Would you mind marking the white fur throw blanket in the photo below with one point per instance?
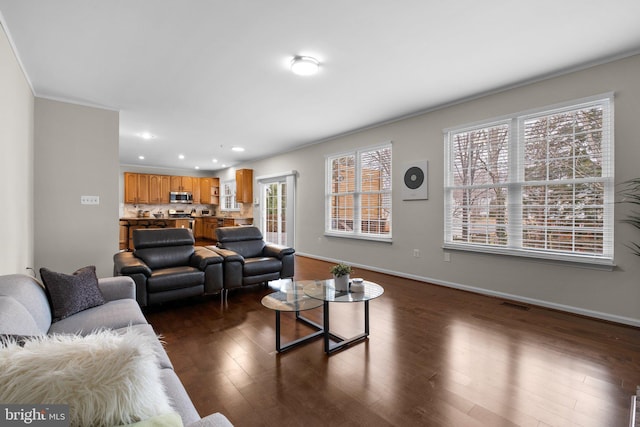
(106, 378)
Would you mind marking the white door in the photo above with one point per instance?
(277, 209)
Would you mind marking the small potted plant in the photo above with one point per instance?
(341, 274)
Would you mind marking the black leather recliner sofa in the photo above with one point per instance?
(249, 260)
(166, 266)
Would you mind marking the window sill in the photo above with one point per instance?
(359, 237)
(583, 261)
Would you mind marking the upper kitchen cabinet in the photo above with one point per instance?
(209, 191)
(244, 185)
(196, 191)
(159, 188)
(136, 188)
(182, 183)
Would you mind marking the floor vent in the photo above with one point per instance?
(515, 305)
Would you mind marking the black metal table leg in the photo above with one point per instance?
(325, 315)
(342, 342)
(283, 347)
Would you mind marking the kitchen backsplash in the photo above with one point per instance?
(129, 210)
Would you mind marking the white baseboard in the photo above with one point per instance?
(542, 303)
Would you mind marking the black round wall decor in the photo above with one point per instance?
(413, 177)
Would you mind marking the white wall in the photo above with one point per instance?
(76, 154)
(16, 164)
(611, 295)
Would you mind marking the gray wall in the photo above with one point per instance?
(16, 164)
(76, 154)
(611, 295)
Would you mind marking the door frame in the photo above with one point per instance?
(290, 178)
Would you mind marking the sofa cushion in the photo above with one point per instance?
(26, 291)
(179, 397)
(167, 279)
(112, 315)
(258, 266)
(165, 257)
(72, 293)
(106, 378)
(247, 241)
(247, 248)
(162, 237)
(15, 319)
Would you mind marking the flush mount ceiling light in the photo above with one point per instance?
(146, 135)
(304, 65)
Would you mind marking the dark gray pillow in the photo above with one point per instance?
(70, 294)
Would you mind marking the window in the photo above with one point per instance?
(228, 196)
(535, 184)
(358, 195)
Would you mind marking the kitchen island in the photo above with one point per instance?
(128, 224)
(202, 226)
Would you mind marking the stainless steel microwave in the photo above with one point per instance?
(180, 197)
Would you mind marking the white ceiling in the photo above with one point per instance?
(206, 75)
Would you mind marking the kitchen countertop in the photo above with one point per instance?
(137, 218)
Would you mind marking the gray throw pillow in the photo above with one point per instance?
(70, 294)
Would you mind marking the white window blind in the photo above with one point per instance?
(535, 184)
(358, 195)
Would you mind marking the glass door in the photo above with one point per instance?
(275, 214)
(277, 209)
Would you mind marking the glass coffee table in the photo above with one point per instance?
(325, 292)
(291, 298)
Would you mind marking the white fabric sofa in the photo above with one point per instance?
(25, 311)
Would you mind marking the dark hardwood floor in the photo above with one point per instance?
(435, 357)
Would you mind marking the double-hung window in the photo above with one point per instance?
(358, 194)
(228, 196)
(536, 184)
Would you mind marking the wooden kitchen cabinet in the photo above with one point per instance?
(196, 194)
(215, 191)
(209, 226)
(198, 228)
(182, 183)
(209, 188)
(159, 188)
(244, 185)
(136, 188)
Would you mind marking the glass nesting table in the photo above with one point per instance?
(301, 295)
(291, 298)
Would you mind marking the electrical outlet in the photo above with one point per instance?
(89, 200)
(416, 253)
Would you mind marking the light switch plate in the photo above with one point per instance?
(89, 200)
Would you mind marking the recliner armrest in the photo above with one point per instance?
(125, 264)
(228, 255)
(277, 251)
(202, 257)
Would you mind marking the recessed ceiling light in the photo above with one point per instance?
(214, 160)
(197, 167)
(239, 149)
(181, 156)
(141, 157)
(224, 166)
(304, 65)
(146, 135)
